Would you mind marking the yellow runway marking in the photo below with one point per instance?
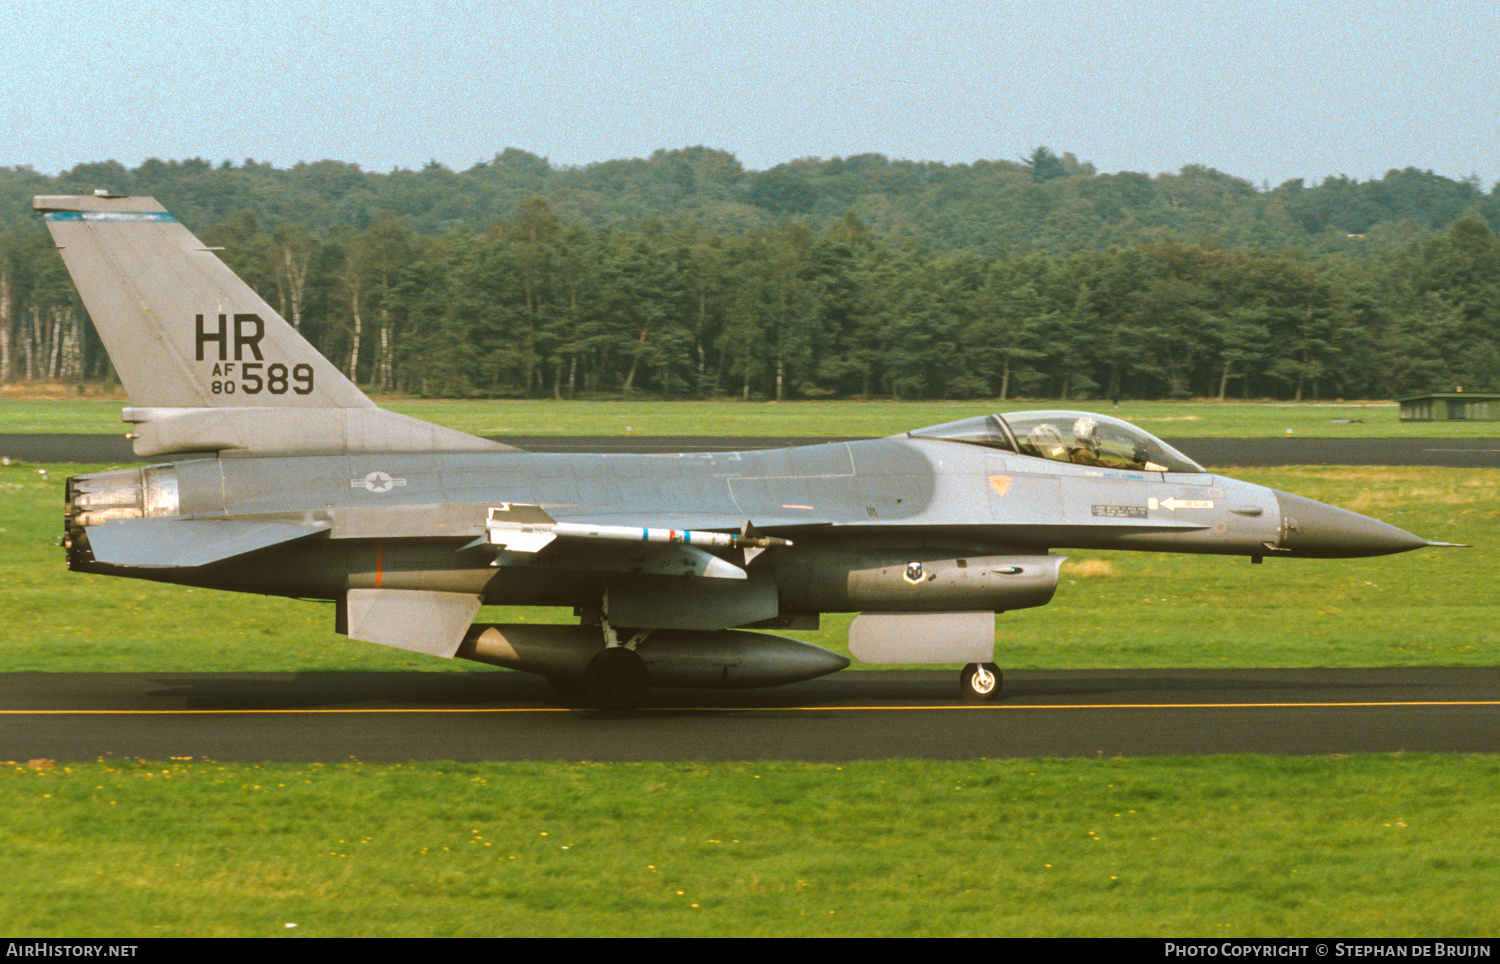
(765, 709)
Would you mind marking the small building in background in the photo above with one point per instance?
(1450, 406)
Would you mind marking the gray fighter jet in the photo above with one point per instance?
(278, 476)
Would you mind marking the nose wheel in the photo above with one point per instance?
(980, 682)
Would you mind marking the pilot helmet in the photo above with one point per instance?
(1048, 441)
(1086, 430)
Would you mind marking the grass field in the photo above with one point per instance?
(1402, 845)
(802, 419)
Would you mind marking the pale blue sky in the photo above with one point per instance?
(1266, 91)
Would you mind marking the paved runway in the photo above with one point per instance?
(1211, 452)
(850, 716)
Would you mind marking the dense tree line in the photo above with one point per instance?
(685, 275)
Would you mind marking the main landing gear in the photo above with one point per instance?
(616, 679)
(980, 682)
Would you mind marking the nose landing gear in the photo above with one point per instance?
(980, 682)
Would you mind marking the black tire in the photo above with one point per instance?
(616, 679)
(980, 683)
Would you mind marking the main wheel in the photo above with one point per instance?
(616, 679)
(980, 682)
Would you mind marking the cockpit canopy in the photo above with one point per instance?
(1078, 437)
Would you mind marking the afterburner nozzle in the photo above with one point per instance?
(1317, 530)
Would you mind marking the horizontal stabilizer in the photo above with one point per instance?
(185, 543)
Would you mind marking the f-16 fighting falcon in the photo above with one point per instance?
(275, 474)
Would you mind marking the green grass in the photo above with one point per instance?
(1120, 609)
(800, 419)
(1401, 845)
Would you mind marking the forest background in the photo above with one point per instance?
(686, 275)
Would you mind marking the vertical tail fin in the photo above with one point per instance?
(181, 328)
(207, 363)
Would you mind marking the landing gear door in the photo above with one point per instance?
(897, 638)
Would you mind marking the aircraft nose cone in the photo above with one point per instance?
(1311, 528)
